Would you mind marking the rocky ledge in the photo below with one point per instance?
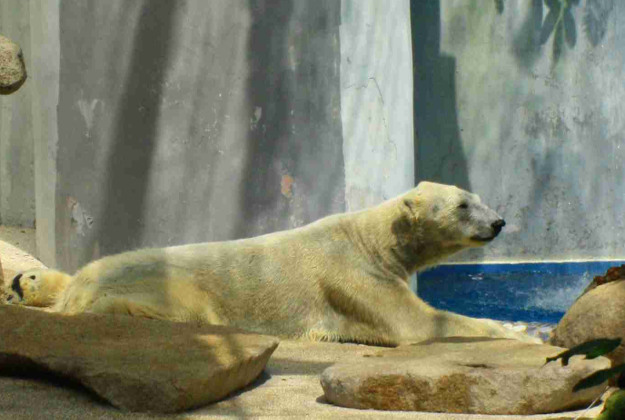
(463, 375)
(136, 364)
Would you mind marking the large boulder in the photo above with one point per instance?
(462, 375)
(613, 274)
(12, 67)
(136, 364)
(598, 313)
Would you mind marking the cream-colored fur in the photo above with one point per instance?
(341, 278)
(37, 287)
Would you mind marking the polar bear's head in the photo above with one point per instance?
(36, 287)
(449, 218)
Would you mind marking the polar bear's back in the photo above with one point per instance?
(270, 273)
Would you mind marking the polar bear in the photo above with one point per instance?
(342, 278)
(37, 287)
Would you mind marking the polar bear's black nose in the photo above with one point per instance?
(498, 225)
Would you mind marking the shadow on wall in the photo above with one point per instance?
(560, 32)
(293, 170)
(439, 155)
(130, 158)
(269, 100)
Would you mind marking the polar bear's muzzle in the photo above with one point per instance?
(496, 227)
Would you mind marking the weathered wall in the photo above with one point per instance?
(544, 144)
(311, 120)
(190, 121)
(17, 172)
(376, 93)
(28, 123)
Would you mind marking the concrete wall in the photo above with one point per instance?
(17, 169)
(28, 123)
(376, 91)
(159, 123)
(156, 122)
(544, 144)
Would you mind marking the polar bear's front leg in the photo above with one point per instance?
(451, 324)
(390, 313)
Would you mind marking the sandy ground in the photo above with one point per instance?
(289, 387)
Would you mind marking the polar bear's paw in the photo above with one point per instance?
(506, 330)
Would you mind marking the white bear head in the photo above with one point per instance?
(442, 219)
(453, 215)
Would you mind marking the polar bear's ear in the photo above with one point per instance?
(411, 205)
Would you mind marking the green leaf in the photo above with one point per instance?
(614, 407)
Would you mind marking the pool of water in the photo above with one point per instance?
(532, 292)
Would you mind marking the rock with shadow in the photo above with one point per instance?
(12, 68)
(598, 313)
(462, 375)
(133, 363)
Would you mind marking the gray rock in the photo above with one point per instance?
(599, 313)
(462, 375)
(135, 364)
(12, 68)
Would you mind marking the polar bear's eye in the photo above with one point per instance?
(463, 206)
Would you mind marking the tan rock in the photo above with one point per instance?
(612, 274)
(599, 313)
(136, 364)
(12, 68)
(290, 389)
(462, 375)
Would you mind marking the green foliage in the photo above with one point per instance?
(614, 408)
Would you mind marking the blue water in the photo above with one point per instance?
(540, 292)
